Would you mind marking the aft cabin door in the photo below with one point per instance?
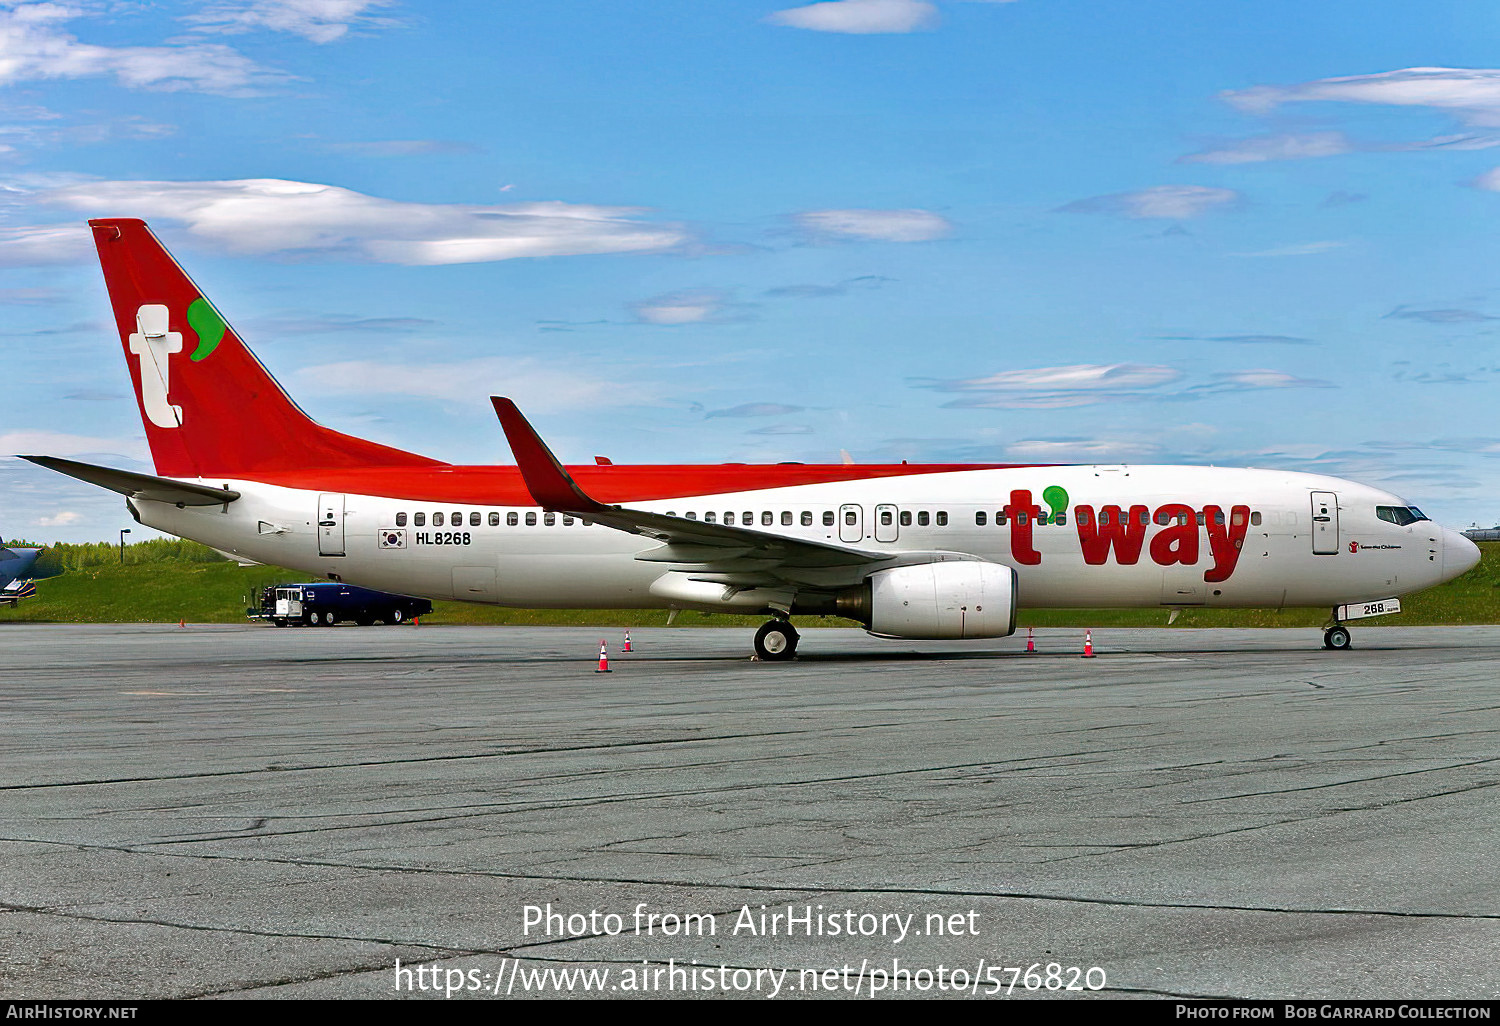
(885, 524)
(1325, 523)
(331, 524)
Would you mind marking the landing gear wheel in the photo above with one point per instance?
(396, 617)
(1336, 638)
(776, 640)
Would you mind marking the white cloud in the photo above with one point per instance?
(876, 225)
(1489, 180)
(1300, 249)
(1172, 202)
(860, 17)
(62, 519)
(1048, 388)
(536, 386)
(267, 215)
(321, 21)
(1083, 376)
(688, 307)
(44, 244)
(1274, 147)
(1472, 94)
(55, 443)
(1256, 379)
(33, 46)
(1067, 450)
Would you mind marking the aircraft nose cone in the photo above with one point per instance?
(1459, 554)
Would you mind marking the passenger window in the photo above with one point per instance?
(1081, 516)
(886, 519)
(828, 518)
(1201, 518)
(458, 519)
(922, 519)
(806, 518)
(549, 519)
(710, 518)
(567, 520)
(767, 519)
(1104, 518)
(942, 519)
(1042, 518)
(437, 520)
(1219, 517)
(531, 520)
(1020, 517)
(1255, 519)
(419, 519)
(906, 518)
(494, 519)
(849, 518)
(400, 519)
(1162, 518)
(729, 519)
(979, 519)
(1145, 518)
(747, 518)
(1000, 518)
(786, 518)
(1060, 518)
(691, 515)
(512, 519)
(1237, 519)
(473, 519)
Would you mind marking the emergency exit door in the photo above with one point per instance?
(1325, 523)
(331, 524)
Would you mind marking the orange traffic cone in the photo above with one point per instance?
(627, 642)
(1088, 644)
(603, 658)
(182, 621)
(416, 621)
(1030, 643)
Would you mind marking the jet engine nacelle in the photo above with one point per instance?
(936, 601)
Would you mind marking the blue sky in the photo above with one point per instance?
(1040, 230)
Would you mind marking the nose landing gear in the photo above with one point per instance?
(776, 640)
(1336, 637)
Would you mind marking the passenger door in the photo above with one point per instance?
(331, 524)
(886, 529)
(1325, 523)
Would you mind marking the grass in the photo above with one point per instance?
(175, 586)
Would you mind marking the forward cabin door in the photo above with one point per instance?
(1325, 523)
(331, 524)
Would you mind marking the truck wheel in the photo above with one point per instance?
(396, 617)
(279, 621)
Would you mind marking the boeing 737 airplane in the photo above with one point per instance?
(924, 552)
(15, 565)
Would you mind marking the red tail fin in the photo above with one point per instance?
(209, 407)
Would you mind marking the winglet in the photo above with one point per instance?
(549, 484)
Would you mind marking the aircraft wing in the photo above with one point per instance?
(740, 554)
(139, 486)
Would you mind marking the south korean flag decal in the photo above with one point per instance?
(392, 538)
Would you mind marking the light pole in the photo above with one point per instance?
(123, 532)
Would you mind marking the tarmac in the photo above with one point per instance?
(241, 811)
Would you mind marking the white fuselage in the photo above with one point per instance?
(493, 555)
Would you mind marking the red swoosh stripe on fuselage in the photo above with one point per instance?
(502, 485)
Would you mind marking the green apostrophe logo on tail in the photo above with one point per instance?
(209, 326)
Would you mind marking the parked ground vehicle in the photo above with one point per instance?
(324, 604)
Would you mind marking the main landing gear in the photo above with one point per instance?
(776, 640)
(1336, 637)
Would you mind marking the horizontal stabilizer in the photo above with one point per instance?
(139, 486)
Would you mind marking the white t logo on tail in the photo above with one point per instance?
(153, 343)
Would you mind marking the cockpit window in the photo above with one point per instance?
(1400, 515)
